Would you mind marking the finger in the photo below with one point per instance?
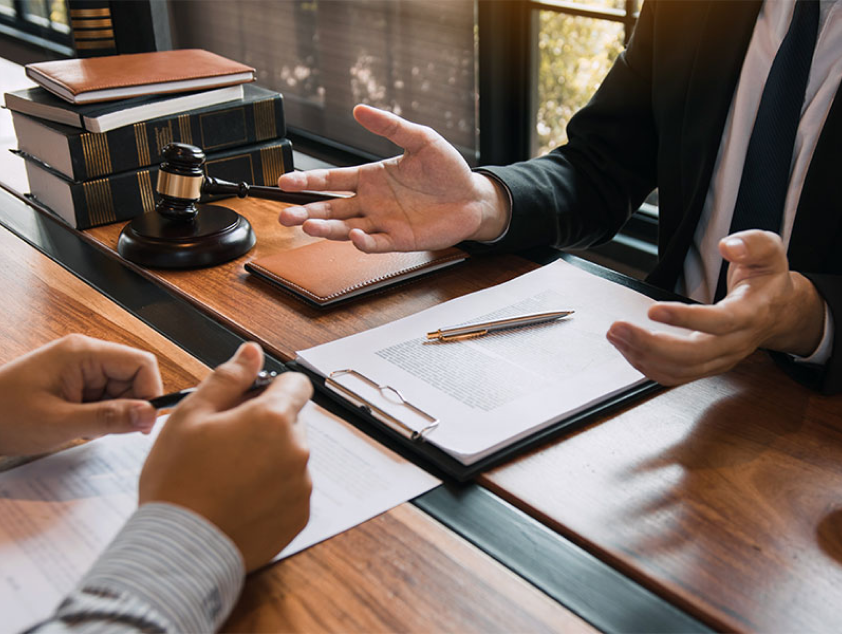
(90, 420)
(339, 179)
(371, 243)
(225, 386)
(108, 361)
(410, 136)
(754, 248)
(289, 391)
(112, 389)
(671, 359)
(753, 254)
(293, 216)
(330, 229)
(668, 372)
(676, 351)
(278, 406)
(337, 209)
(717, 319)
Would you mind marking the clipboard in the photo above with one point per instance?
(410, 440)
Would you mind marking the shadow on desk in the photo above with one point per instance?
(829, 533)
(724, 495)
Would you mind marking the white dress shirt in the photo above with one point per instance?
(701, 267)
(168, 570)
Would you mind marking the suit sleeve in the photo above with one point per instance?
(582, 193)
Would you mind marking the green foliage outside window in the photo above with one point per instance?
(575, 54)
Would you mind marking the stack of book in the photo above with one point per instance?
(93, 148)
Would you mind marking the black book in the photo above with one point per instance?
(102, 117)
(128, 194)
(81, 155)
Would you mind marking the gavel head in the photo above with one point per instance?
(180, 181)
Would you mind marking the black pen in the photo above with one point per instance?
(172, 399)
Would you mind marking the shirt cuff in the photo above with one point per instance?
(493, 177)
(821, 354)
(168, 567)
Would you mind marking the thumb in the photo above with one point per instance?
(753, 253)
(118, 416)
(225, 386)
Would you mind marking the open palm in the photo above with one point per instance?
(428, 198)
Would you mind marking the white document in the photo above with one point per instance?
(491, 391)
(59, 513)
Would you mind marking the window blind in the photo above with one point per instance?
(416, 58)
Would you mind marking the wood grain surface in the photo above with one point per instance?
(401, 571)
(42, 302)
(724, 495)
(283, 323)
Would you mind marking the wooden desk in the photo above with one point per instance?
(285, 324)
(400, 571)
(722, 496)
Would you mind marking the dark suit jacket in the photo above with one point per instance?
(657, 121)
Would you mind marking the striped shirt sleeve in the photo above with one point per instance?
(168, 570)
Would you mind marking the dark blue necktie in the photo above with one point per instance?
(765, 179)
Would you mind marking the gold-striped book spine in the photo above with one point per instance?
(99, 202)
(147, 192)
(264, 120)
(96, 154)
(272, 159)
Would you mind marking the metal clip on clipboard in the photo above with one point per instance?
(382, 415)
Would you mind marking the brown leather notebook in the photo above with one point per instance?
(326, 272)
(111, 77)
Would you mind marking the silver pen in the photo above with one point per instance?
(478, 330)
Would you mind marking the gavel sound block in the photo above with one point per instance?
(182, 233)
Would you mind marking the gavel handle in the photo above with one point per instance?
(242, 190)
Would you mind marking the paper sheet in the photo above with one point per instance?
(59, 513)
(491, 391)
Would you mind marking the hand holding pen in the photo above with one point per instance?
(240, 464)
(470, 331)
(168, 401)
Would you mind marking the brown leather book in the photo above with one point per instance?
(326, 272)
(112, 77)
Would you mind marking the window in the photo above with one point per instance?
(576, 46)
(414, 57)
(499, 79)
(40, 22)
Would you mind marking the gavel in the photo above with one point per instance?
(183, 233)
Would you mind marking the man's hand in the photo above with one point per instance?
(240, 464)
(426, 199)
(767, 306)
(75, 387)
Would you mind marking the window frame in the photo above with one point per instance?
(508, 58)
(31, 33)
(508, 46)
